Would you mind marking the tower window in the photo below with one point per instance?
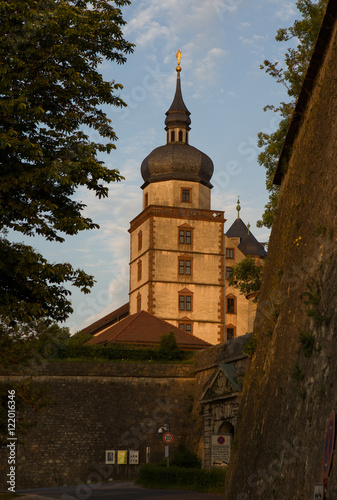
(172, 135)
(185, 237)
(186, 326)
(231, 305)
(230, 253)
(185, 266)
(186, 195)
(229, 272)
(185, 302)
(146, 200)
(140, 240)
(139, 270)
(139, 302)
(230, 331)
(180, 136)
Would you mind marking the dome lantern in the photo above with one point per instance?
(177, 159)
(178, 121)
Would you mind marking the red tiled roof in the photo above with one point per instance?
(107, 320)
(146, 330)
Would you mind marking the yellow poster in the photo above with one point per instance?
(122, 457)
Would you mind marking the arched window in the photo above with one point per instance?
(180, 136)
(139, 302)
(172, 135)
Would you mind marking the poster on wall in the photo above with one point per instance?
(134, 457)
(319, 492)
(221, 449)
(122, 457)
(110, 456)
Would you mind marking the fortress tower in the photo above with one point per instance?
(177, 241)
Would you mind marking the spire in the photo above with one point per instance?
(238, 207)
(178, 117)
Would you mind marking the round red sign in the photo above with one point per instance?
(168, 438)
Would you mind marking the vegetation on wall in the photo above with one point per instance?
(57, 344)
(116, 352)
(304, 31)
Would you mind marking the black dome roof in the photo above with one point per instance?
(177, 161)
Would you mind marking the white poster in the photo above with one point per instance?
(134, 457)
(110, 456)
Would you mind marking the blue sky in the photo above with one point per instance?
(223, 43)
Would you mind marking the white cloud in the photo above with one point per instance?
(153, 31)
(244, 25)
(286, 11)
(208, 68)
(255, 42)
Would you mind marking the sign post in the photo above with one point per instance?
(168, 439)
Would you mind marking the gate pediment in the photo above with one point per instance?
(222, 384)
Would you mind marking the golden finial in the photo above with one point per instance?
(248, 226)
(178, 56)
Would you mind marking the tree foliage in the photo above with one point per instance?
(25, 346)
(246, 276)
(291, 76)
(168, 347)
(184, 457)
(51, 95)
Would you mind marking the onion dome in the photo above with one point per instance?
(177, 159)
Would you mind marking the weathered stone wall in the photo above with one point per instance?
(97, 407)
(291, 388)
(211, 417)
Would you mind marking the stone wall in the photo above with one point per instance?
(96, 407)
(99, 406)
(290, 389)
(212, 417)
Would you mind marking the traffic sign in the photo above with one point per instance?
(168, 438)
(220, 449)
(328, 446)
